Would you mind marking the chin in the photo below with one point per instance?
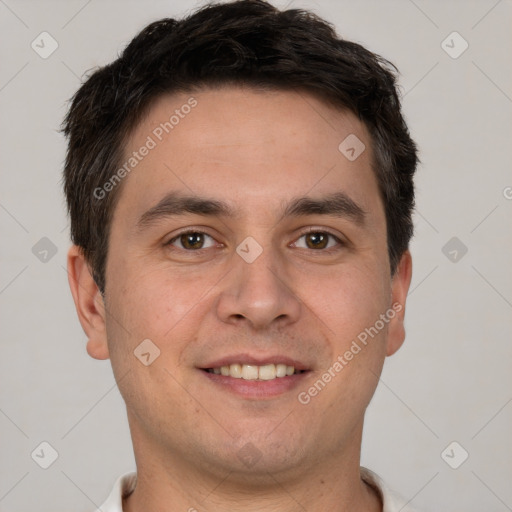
(252, 458)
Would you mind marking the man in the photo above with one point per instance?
(240, 191)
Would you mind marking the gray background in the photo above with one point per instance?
(451, 381)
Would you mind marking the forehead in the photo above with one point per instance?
(235, 115)
(259, 147)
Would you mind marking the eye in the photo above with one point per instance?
(317, 240)
(192, 241)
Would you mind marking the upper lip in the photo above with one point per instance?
(256, 360)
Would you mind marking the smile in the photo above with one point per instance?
(255, 372)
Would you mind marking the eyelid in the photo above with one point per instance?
(313, 229)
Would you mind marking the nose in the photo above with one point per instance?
(258, 294)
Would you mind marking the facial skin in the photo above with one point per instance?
(255, 151)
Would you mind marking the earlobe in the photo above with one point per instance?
(89, 303)
(399, 289)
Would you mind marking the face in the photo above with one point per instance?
(244, 242)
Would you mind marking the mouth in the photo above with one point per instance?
(249, 378)
(254, 372)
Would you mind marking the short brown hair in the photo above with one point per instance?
(245, 42)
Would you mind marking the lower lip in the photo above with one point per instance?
(257, 389)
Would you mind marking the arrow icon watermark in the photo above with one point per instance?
(146, 352)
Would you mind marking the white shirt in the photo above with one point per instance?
(392, 501)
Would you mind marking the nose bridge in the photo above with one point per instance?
(257, 289)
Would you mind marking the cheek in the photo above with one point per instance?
(350, 304)
(347, 302)
(152, 305)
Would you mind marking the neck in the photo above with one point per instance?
(170, 481)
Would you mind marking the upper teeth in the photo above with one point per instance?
(254, 372)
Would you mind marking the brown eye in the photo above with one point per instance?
(317, 240)
(192, 241)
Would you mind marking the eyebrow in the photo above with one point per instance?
(173, 204)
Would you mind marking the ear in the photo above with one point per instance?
(89, 303)
(399, 289)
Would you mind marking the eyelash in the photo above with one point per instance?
(340, 242)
